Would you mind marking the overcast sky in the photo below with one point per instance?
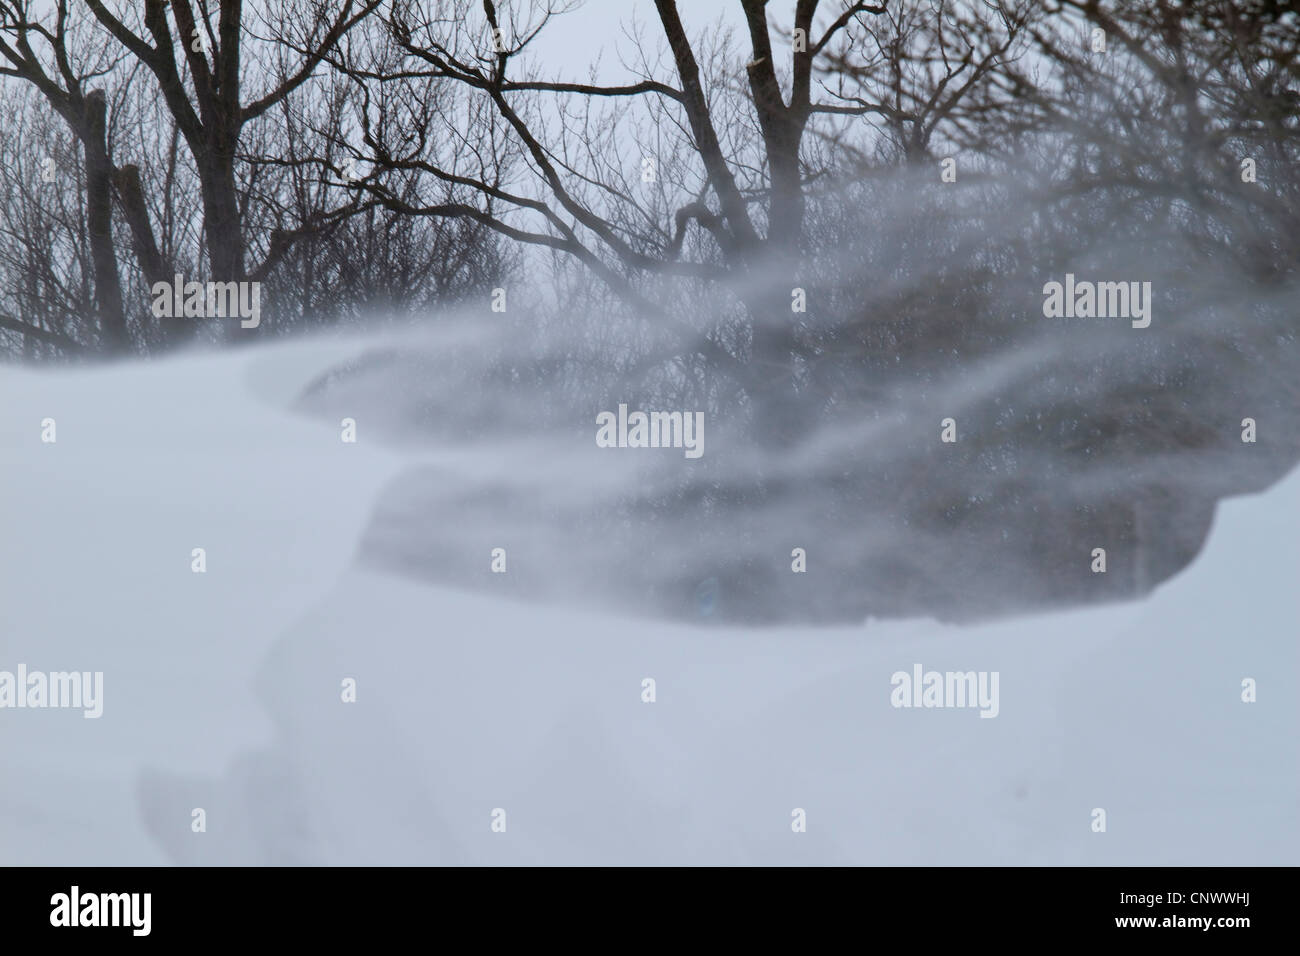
(571, 42)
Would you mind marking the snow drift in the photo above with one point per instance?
(222, 689)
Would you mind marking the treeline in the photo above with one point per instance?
(200, 140)
(389, 157)
(827, 225)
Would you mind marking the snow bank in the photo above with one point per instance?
(222, 690)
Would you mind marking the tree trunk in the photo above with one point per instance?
(221, 216)
(99, 226)
(782, 415)
(130, 199)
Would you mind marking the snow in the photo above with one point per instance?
(222, 690)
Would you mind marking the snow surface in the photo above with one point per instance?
(222, 690)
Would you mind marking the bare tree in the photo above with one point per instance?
(47, 293)
(1192, 106)
(735, 155)
(35, 49)
(203, 93)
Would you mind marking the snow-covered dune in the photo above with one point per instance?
(150, 462)
(222, 690)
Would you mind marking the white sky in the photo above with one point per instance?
(570, 43)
